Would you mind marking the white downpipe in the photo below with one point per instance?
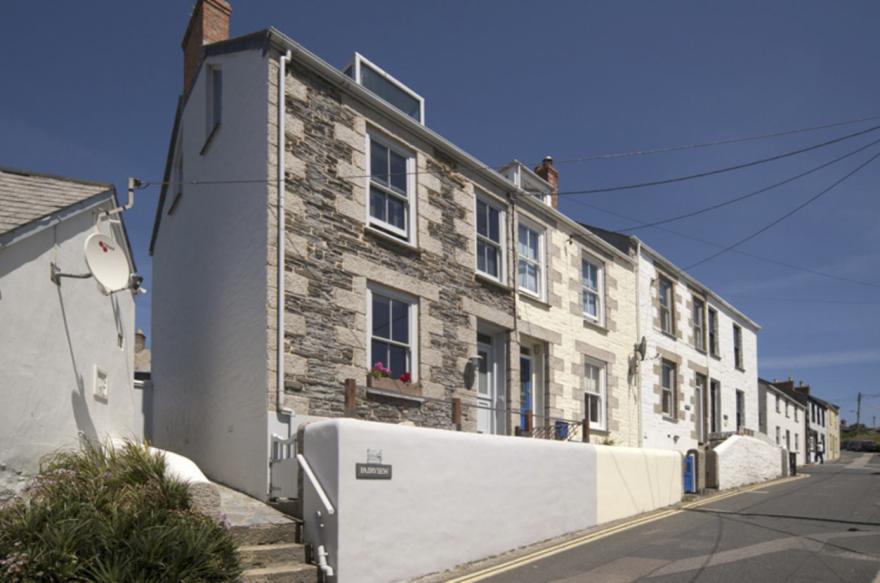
(638, 367)
(322, 561)
(282, 227)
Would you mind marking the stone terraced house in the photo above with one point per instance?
(395, 246)
(699, 375)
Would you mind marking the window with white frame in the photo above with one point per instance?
(391, 204)
(797, 442)
(490, 238)
(777, 435)
(713, 332)
(795, 414)
(592, 284)
(786, 410)
(530, 265)
(665, 290)
(595, 393)
(737, 347)
(667, 387)
(699, 324)
(392, 331)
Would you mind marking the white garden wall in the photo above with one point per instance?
(458, 497)
(747, 460)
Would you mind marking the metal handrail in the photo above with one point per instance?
(313, 480)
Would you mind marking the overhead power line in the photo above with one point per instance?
(754, 192)
(805, 301)
(717, 170)
(665, 149)
(786, 215)
(717, 245)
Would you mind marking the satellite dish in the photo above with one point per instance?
(107, 262)
(642, 348)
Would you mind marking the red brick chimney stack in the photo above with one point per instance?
(549, 173)
(208, 24)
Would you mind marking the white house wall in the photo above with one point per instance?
(794, 426)
(51, 339)
(210, 359)
(657, 430)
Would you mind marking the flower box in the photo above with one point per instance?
(394, 385)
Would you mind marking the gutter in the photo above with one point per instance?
(282, 228)
(638, 367)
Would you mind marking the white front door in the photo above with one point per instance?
(485, 388)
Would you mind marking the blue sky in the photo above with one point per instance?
(90, 91)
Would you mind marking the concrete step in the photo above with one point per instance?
(264, 534)
(257, 556)
(282, 573)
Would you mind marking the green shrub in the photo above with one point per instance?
(111, 515)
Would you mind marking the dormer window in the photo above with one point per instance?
(394, 92)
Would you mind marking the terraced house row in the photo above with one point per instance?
(342, 239)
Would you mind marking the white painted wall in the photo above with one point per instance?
(458, 497)
(793, 422)
(209, 291)
(814, 411)
(658, 432)
(51, 338)
(746, 460)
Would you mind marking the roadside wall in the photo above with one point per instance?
(746, 460)
(457, 497)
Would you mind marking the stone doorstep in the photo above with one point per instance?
(260, 556)
(282, 573)
(264, 534)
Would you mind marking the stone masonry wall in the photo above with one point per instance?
(331, 257)
(571, 337)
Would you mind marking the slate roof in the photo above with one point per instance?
(619, 240)
(27, 196)
(797, 396)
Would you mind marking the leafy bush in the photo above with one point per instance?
(111, 515)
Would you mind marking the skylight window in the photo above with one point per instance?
(387, 87)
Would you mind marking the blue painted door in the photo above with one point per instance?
(690, 485)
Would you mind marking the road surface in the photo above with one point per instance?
(825, 527)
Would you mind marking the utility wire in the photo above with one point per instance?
(791, 266)
(716, 143)
(786, 215)
(717, 170)
(147, 183)
(753, 193)
(803, 301)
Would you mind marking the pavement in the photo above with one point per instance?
(823, 527)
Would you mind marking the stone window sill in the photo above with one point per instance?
(669, 335)
(394, 395)
(489, 280)
(715, 356)
(378, 234)
(670, 419)
(593, 325)
(533, 299)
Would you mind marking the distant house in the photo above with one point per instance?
(783, 417)
(821, 423)
(66, 347)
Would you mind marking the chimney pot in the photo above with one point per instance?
(209, 23)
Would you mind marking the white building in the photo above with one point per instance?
(817, 427)
(699, 375)
(783, 418)
(66, 348)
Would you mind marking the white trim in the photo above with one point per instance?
(602, 425)
(541, 231)
(409, 234)
(587, 257)
(359, 60)
(413, 331)
(501, 245)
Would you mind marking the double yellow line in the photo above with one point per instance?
(594, 536)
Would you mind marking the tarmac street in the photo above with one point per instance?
(824, 527)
